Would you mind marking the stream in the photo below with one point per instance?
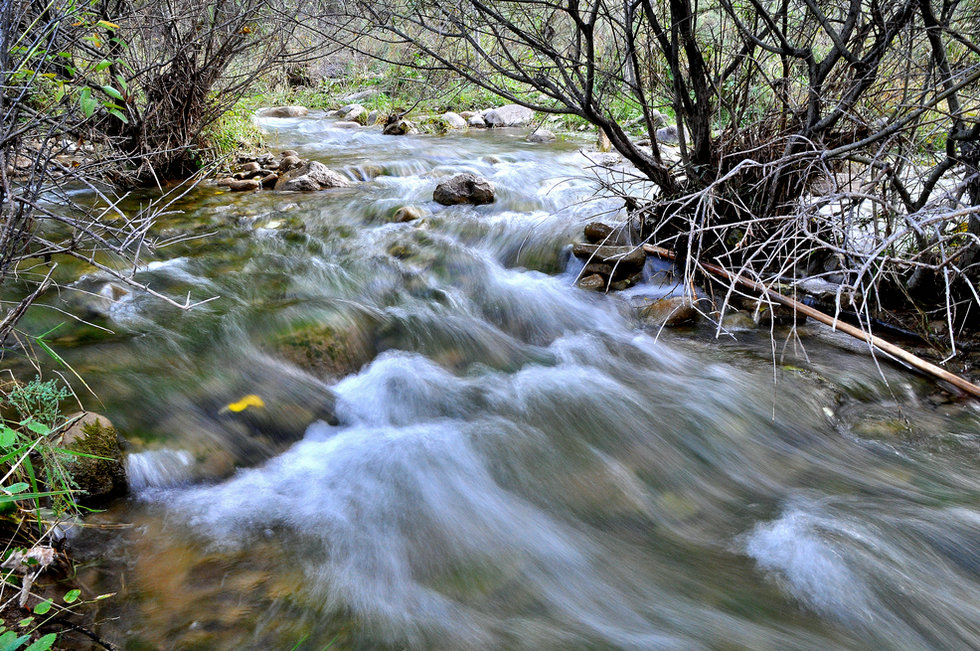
(453, 447)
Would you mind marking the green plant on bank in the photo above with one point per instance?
(34, 483)
(33, 465)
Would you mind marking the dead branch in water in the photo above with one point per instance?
(888, 348)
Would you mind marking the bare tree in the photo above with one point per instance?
(816, 139)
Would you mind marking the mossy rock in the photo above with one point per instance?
(327, 349)
(93, 434)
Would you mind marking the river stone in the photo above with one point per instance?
(312, 176)
(477, 122)
(354, 113)
(284, 112)
(243, 185)
(510, 115)
(466, 115)
(599, 233)
(269, 180)
(289, 162)
(347, 124)
(289, 152)
(670, 312)
(595, 283)
(330, 350)
(737, 322)
(600, 268)
(668, 135)
(454, 120)
(625, 260)
(252, 166)
(373, 117)
(541, 135)
(407, 214)
(399, 128)
(464, 188)
(93, 434)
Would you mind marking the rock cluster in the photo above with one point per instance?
(284, 112)
(288, 172)
(611, 263)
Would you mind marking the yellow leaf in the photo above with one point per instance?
(107, 24)
(250, 400)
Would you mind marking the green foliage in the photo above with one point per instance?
(37, 401)
(28, 453)
(10, 641)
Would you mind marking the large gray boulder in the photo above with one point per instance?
(284, 112)
(510, 115)
(464, 188)
(310, 177)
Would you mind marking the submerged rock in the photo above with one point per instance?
(284, 112)
(407, 214)
(328, 350)
(93, 434)
(670, 312)
(542, 135)
(464, 188)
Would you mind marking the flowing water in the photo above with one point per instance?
(458, 449)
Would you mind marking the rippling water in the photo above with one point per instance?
(461, 450)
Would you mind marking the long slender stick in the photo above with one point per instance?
(882, 345)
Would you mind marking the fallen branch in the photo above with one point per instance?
(876, 342)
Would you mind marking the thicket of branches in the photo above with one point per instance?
(104, 94)
(832, 140)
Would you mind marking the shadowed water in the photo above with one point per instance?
(461, 450)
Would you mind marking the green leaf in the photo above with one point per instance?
(27, 621)
(44, 643)
(37, 428)
(43, 607)
(10, 642)
(19, 487)
(7, 437)
(102, 65)
(122, 83)
(72, 595)
(112, 92)
(30, 496)
(10, 455)
(119, 115)
(88, 105)
(76, 453)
